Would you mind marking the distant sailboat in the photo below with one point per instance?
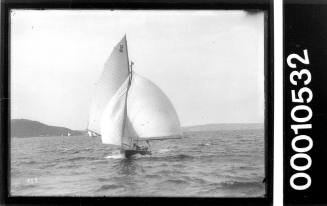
(68, 134)
(128, 108)
(91, 134)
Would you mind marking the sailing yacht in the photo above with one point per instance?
(128, 109)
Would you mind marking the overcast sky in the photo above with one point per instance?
(209, 63)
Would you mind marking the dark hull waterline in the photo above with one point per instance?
(131, 152)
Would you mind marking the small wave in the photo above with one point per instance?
(69, 166)
(27, 186)
(28, 162)
(194, 179)
(237, 185)
(75, 152)
(115, 156)
(82, 158)
(102, 179)
(180, 157)
(151, 176)
(172, 171)
(66, 149)
(77, 158)
(205, 144)
(108, 187)
(100, 161)
(170, 157)
(70, 151)
(174, 181)
(164, 150)
(45, 166)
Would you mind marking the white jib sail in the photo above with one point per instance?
(114, 74)
(113, 117)
(149, 113)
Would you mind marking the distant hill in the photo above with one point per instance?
(29, 128)
(218, 127)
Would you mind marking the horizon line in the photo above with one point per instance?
(180, 126)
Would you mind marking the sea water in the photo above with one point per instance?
(212, 163)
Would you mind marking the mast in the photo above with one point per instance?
(129, 85)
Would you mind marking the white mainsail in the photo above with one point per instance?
(114, 74)
(136, 109)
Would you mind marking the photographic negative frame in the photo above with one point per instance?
(265, 6)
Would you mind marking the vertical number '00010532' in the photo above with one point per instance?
(301, 115)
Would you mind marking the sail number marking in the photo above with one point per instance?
(301, 115)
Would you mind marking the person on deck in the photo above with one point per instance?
(136, 146)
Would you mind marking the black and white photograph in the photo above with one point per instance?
(138, 103)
